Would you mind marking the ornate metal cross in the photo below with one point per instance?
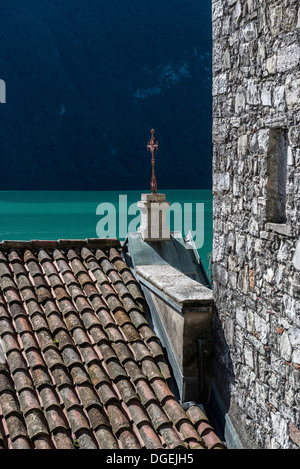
(153, 146)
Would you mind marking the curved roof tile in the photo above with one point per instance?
(82, 366)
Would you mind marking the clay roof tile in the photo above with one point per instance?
(83, 366)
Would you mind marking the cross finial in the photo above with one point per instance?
(153, 146)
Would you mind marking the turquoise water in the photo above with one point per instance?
(27, 215)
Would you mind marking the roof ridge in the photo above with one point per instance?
(101, 243)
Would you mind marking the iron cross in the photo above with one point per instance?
(153, 146)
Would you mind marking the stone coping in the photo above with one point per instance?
(176, 285)
(153, 197)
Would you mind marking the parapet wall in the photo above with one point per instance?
(181, 312)
(256, 185)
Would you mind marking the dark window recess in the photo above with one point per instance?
(277, 174)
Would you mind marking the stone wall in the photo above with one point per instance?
(256, 186)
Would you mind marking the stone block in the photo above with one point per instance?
(250, 32)
(220, 84)
(296, 257)
(239, 101)
(253, 92)
(271, 64)
(285, 346)
(292, 90)
(279, 98)
(275, 13)
(294, 136)
(217, 9)
(294, 432)
(242, 145)
(266, 94)
(281, 228)
(221, 181)
(288, 57)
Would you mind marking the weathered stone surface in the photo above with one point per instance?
(292, 90)
(294, 136)
(220, 84)
(175, 285)
(288, 57)
(256, 254)
(153, 217)
(296, 257)
(294, 434)
(221, 181)
(185, 314)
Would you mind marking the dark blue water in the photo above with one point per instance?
(87, 80)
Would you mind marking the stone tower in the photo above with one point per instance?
(256, 186)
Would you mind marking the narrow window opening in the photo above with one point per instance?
(277, 175)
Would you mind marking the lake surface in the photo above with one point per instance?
(50, 215)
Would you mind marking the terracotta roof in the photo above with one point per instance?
(81, 366)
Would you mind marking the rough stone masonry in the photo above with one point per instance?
(256, 186)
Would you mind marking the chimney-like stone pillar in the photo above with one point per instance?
(153, 217)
